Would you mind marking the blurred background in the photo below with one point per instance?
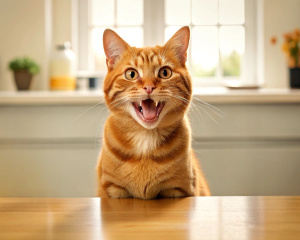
(240, 57)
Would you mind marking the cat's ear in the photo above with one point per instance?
(179, 43)
(114, 46)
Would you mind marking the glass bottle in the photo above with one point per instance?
(62, 68)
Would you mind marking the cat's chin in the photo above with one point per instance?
(147, 125)
(147, 112)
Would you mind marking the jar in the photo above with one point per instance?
(62, 68)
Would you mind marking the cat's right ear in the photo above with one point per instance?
(179, 43)
(114, 46)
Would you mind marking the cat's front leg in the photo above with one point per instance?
(173, 193)
(115, 191)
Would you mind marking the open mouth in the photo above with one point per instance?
(148, 110)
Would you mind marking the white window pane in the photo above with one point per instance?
(134, 36)
(103, 12)
(177, 12)
(170, 31)
(205, 51)
(231, 11)
(130, 12)
(204, 12)
(232, 47)
(99, 59)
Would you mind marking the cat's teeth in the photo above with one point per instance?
(140, 103)
(156, 103)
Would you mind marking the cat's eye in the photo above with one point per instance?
(165, 73)
(131, 74)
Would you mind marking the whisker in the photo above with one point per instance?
(115, 104)
(209, 105)
(174, 106)
(192, 106)
(99, 132)
(209, 115)
(98, 115)
(185, 100)
(212, 108)
(120, 103)
(117, 100)
(80, 115)
(215, 112)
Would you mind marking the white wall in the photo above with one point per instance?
(23, 32)
(280, 16)
(61, 22)
(32, 28)
(52, 150)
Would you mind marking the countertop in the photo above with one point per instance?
(217, 95)
(187, 218)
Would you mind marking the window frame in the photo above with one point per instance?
(154, 29)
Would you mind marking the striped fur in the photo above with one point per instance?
(140, 159)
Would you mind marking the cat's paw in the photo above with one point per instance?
(173, 193)
(115, 191)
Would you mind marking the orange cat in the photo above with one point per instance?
(146, 150)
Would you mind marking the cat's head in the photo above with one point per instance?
(152, 84)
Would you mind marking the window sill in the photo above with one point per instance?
(224, 95)
(217, 95)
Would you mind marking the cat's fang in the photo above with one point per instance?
(156, 103)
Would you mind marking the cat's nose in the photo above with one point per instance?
(149, 89)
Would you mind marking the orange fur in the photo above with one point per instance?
(141, 158)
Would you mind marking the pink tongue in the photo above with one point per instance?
(149, 109)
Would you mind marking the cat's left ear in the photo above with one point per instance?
(114, 46)
(179, 43)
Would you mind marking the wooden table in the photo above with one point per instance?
(187, 218)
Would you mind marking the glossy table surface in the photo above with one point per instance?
(186, 218)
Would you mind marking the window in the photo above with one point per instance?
(222, 44)
(117, 15)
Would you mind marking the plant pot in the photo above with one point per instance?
(295, 77)
(23, 79)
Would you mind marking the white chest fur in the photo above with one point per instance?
(146, 141)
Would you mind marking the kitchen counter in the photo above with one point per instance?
(212, 95)
(187, 218)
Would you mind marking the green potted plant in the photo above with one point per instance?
(23, 69)
(291, 48)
